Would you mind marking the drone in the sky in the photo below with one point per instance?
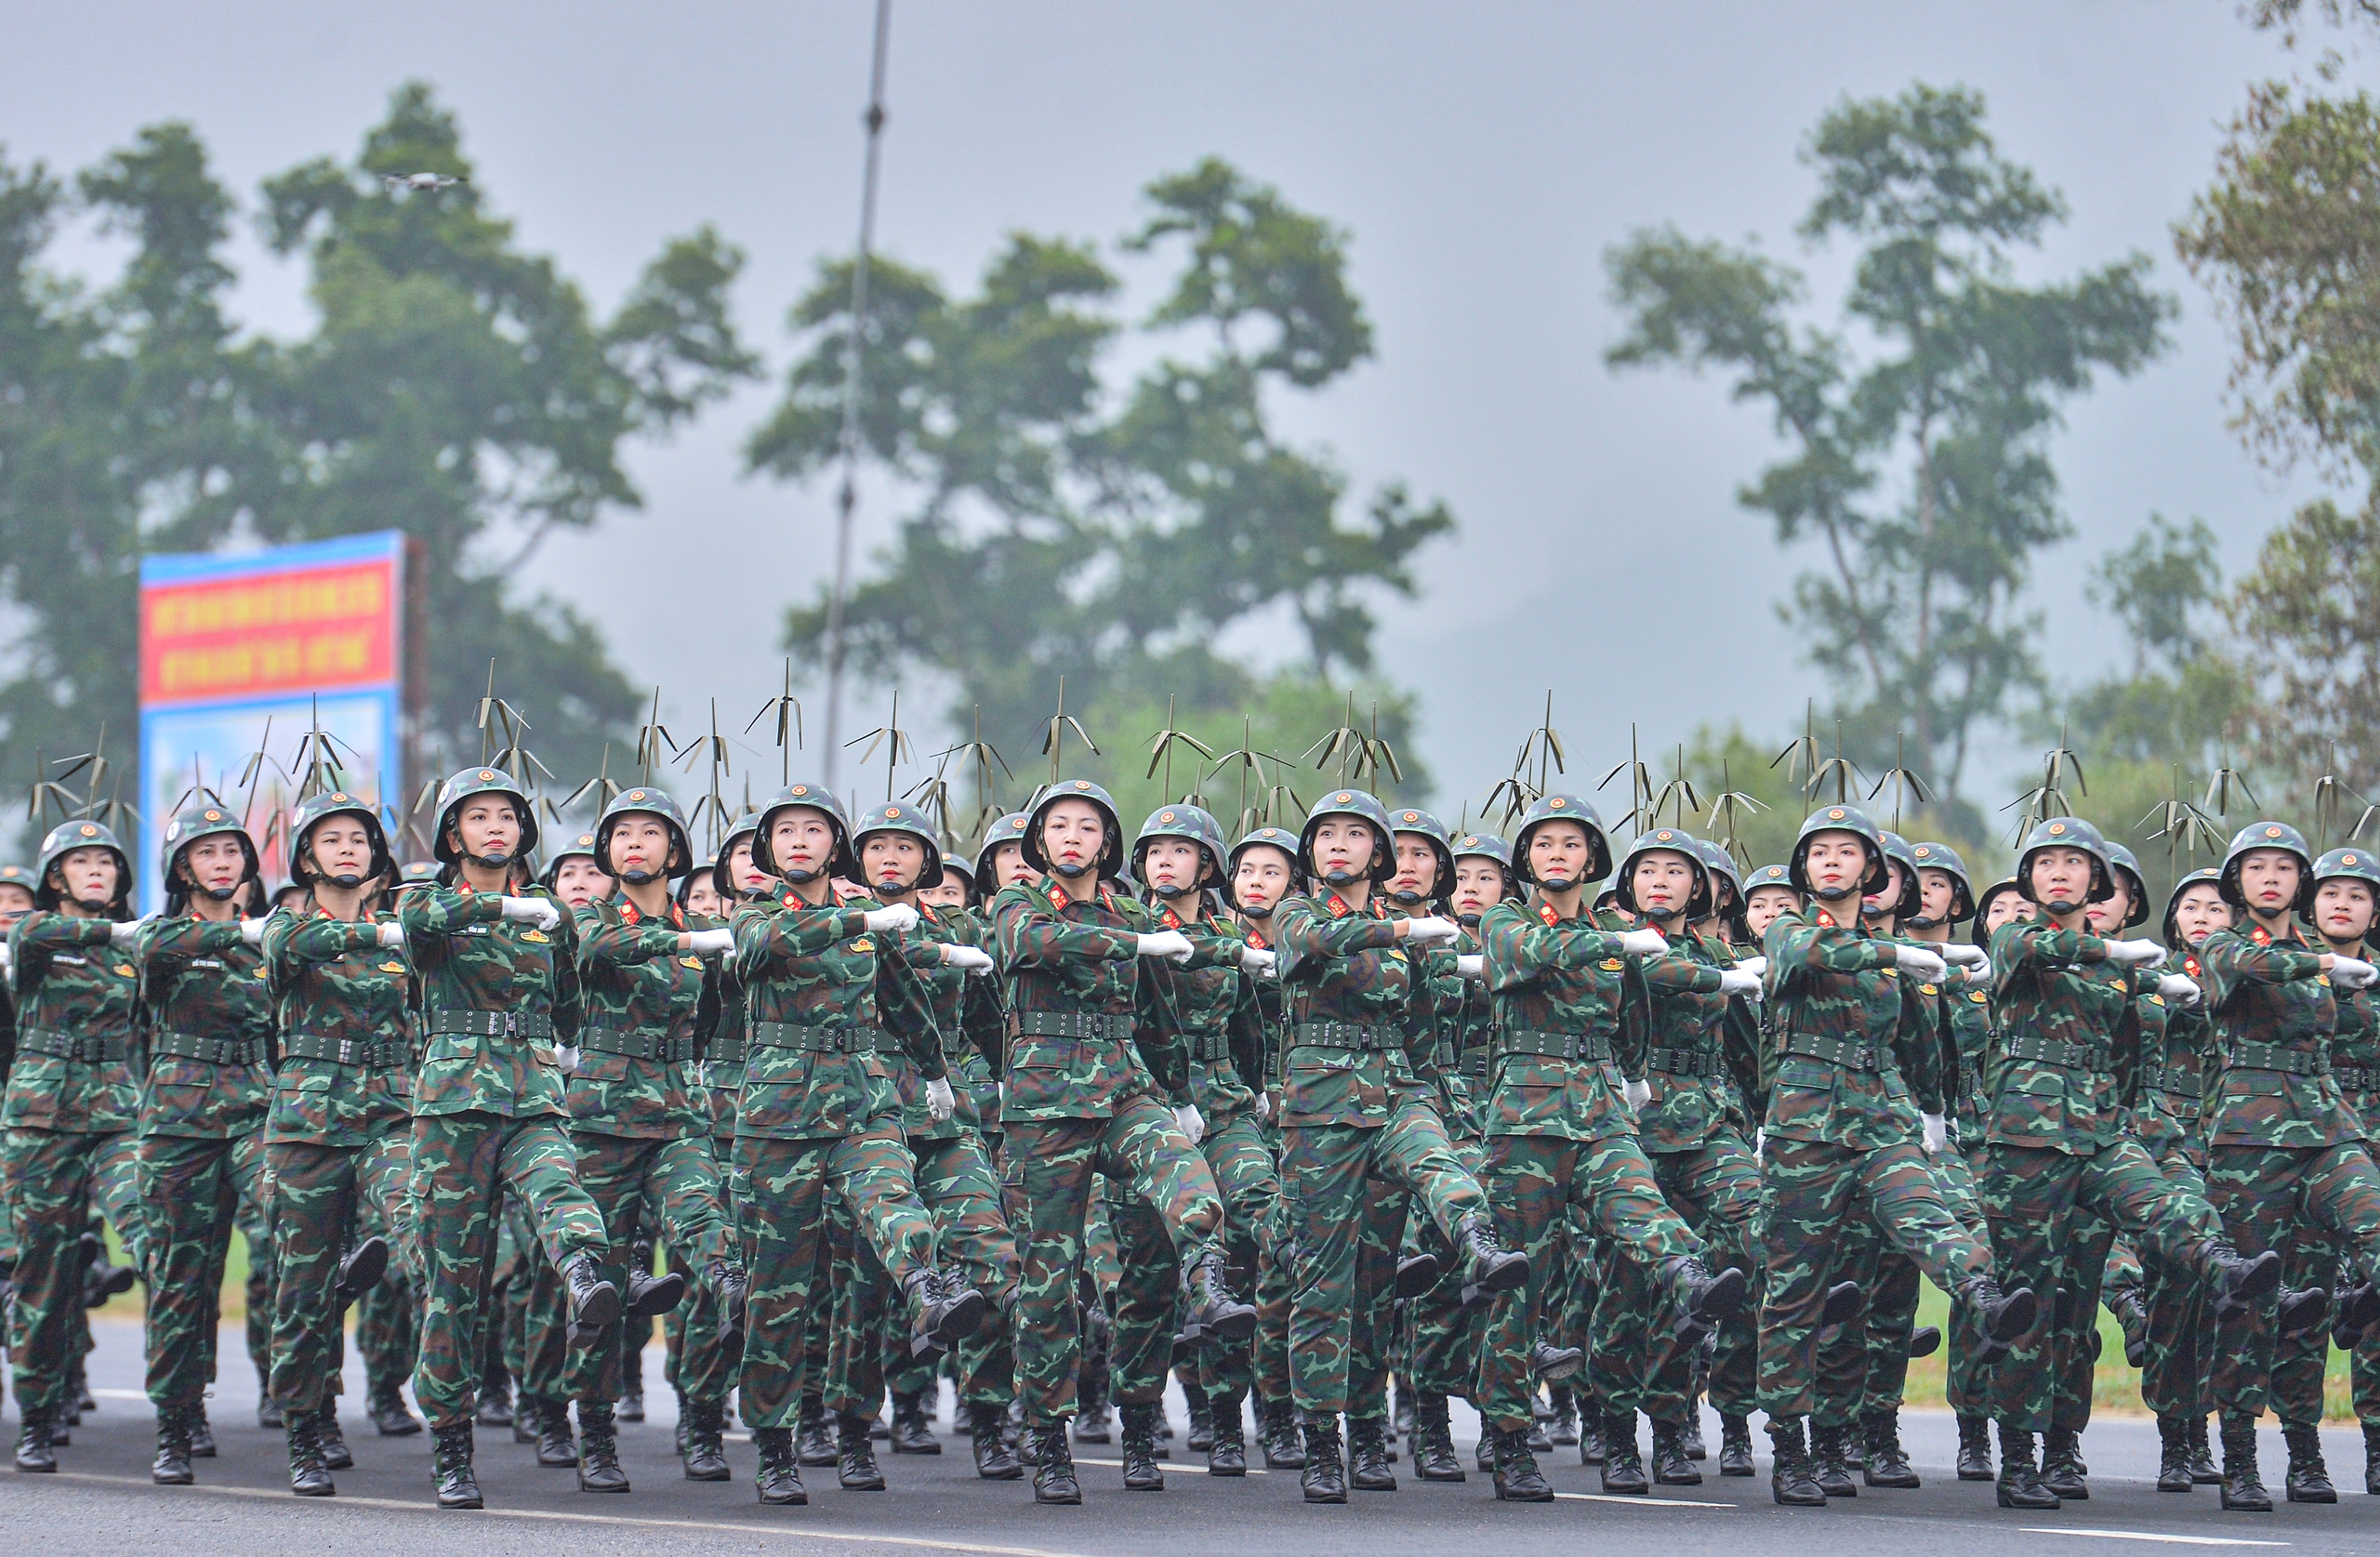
(424, 182)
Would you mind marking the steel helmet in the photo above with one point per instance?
(2208, 877)
(645, 801)
(1183, 821)
(2352, 864)
(966, 875)
(817, 798)
(580, 847)
(1664, 840)
(1279, 839)
(1838, 819)
(1983, 903)
(2267, 834)
(2068, 832)
(1421, 823)
(899, 816)
(1897, 850)
(1008, 829)
(746, 827)
(205, 819)
(1111, 849)
(321, 807)
(1489, 846)
(1726, 881)
(1931, 855)
(2125, 866)
(66, 838)
(18, 876)
(468, 783)
(1562, 807)
(1363, 808)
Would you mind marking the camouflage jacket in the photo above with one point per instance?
(1260, 1069)
(497, 997)
(724, 1048)
(1967, 1013)
(1926, 1050)
(975, 1059)
(1699, 1043)
(2165, 1103)
(645, 1008)
(210, 1030)
(2272, 1014)
(333, 983)
(73, 990)
(1568, 1021)
(2355, 1051)
(819, 989)
(1223, 1025)
(1354, 1044)
(1832, 1063)
(1084, 1017)
(966, 1018)
(2069, 1039)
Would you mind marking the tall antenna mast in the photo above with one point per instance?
(853, 350)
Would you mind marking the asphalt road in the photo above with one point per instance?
(101, 1502)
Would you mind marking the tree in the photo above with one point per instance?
(1059, 527)
(1918, 614)
(455, 388)
(2310, 613)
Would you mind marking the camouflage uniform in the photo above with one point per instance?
(705, 1371)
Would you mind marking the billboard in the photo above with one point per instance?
(232, 646)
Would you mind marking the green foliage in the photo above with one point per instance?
(2309, 613)
(1062, 524)
(1918, 616)
(455, 387)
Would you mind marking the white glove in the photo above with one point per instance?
(1735, 980)
(1937, 1134)
(940, 1103)
(1643, 942)
(1759, 1141)
(1920, 964)
(1264, 1107)
(1981, 974)
(252, 931)
(972, 958)
(1638, 1093)
(2348, 974)
(124, 932)
(1193, 1123)
(1257, 962)
(566, 1056)
(2135, 954)
(1472, 965)
(391, 935)
(899, 919)
(2180, 988)
(1171, 944)
(1962, 955)
(535, 911)
(710, 942)
(1755, 965)
(1430, 930)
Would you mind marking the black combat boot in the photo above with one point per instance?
(1416, 1273)
(309, 1477)
(495, 1408)
(1791, 1480)
(1488, 1267)
(2173, 1454)
(988, 1443)
(450, 1467)
(1703, 1302)
(1843, 1300)
(1276, 1435)
(1563, 1431)
(630, 1407)
(1827, 1463)
(2203, 1471)
(1367, 1455)
(1623, 1472)
(2062, 1468)
(778, 1478)
(1202, 1418)
(2234, 1281)
(1400, 1415)
(1324, 1478)
(2372, 1459)
(594, 1303)
(1589, 1428)
(1887, 1464)
(362, 1270)
(269, 1413)
(910, 1434)
(2243, 1488)
(2132, 1317)
(1433, 1456)
(945, 1311)
(1555, 1364)
(171, 1467)
(730, 1286)
(2021, 1485)
(1517, 1478)
(1924, 1341)
(1671, 1465)
(2300, 1311)
(1142, 1473)
(336, 1454)
(2000, 1316)
(705, 1454)
(1735, 1446)
(1975, 1450)
(557, 1444)
(855, 1467)
(1227, 1456)
(393, 1418)
(33, 1440)
(598, 1449)
(202, 1433)
(2309, 1479)
(1690, 1434)
(815, 1441)
(524, 1418)
(1053, 1463)
(1210, 1304)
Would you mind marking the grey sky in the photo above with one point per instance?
(1481, 156)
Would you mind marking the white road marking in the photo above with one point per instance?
(2146, 1536)
(1643, 1503)
(1168, 1465)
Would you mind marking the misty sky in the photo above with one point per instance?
(1481, 157)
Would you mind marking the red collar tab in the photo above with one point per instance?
(1256, 938)
(2260, 935)
(1058, 898)
(1337, 906)
(1545, 911)
(1169, 918)
(2189, 964)
(1825, 919)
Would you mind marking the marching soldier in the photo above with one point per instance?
(2347, 890)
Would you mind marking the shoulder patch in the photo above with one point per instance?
(863, 944)
(1979, 998)
(1889, 972)
(1614, 965)
(694, 962)
(2156, 1000)
(536, 935)
(392, 968)
(1927, 989)
(124, 970)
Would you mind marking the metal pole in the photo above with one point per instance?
(848, 498)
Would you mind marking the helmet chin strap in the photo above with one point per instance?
(493, 861)
(1466, 920)
(1072, 871)
(1171, 889)
(223, 894)
(1837, 895)
(1555, 884)
(1256, 913)
(637, 878)
(1405, 899)
(347, 883)
(93, 904)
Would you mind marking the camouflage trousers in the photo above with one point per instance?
(1534, 1181)
(2040, 1202)
(388, 1332)
(1441, 1344)
(1716, 1188)
(463, 1164)
(1812, 1194)
(190, 1191)
(56, 1177)
(2279, 1197)
(1239, 1151)
(955, 1181)
(1048, 1164)
(544, 1307)
(618, 1173)
(792, 1184)
(1343, 1189)
(1967, 1392)
(322, 1198)
(700, 1365)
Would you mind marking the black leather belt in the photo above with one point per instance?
(1585, 1048)
(1082, 1026)
(657, 1046)
(214, 1051)
(1345, 1035)
(492, 1024)
(1685, 1061)
(376, 1054)
(2275, 1057)
(1837, 1051)
(73, 1046)
(811, 1040)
